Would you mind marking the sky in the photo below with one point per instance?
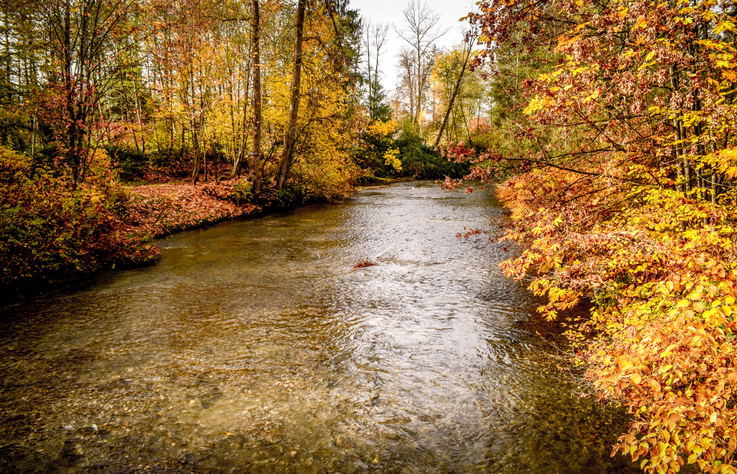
(390, 12)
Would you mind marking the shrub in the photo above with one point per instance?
(131, 164)
(51, 232)
(286, 198)
(241, 193)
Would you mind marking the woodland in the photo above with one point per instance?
(609, 127)
(235, 106)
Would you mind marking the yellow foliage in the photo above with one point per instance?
(629, 202)
(380, 128)
(390, 159)
(664, 298)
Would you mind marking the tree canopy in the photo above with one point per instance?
(173, 84)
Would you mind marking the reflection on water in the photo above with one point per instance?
(256, 346)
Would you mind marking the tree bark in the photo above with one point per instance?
(285, 162)
(255, 161)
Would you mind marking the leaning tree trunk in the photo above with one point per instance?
(285, 162)
(455, 93)
(255, 161)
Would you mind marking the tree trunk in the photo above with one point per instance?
(455, 93)
(287, 156)
(196, 150)
(138, 116)
(419, 85)
(243, 127)
(255, 161)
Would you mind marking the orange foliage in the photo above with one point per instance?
(663, 318)
(626, 198)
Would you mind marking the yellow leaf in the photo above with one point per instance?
(683, 303)
(535, 104)
(669, 350)
(722, 26)
(708, 315)
(636, 378)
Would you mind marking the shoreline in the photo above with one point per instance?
(183, 206)
(153, 212)
(160, 210)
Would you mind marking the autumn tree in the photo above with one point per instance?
(80, 36)
(420, 33)
(374, 41)
(285, 162)
(256, 155)
(623, 194)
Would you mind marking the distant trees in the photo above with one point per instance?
(420, 32)
(201, 89)
(373, 41)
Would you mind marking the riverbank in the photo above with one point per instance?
(157, 210)
(54, 233)
(54, 237)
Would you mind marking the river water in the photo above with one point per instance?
(256, 346)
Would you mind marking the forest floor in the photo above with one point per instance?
(156, 210)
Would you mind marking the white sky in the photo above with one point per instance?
(390, 12)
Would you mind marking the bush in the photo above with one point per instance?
(325, 177)
(51, 232)
(421, 161)
(241, 193)
(381, 156)
(287, 198)
(131, 164)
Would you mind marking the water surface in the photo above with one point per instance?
(256, 346)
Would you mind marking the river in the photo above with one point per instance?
(256, 346)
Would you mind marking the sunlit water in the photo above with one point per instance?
(256, 346)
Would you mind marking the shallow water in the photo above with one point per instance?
(256, 346)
